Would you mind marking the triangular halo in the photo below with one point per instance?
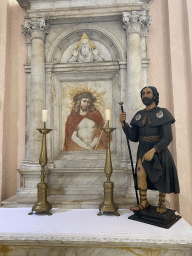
(84, 36)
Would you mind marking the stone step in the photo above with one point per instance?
(72, 201)
(68, 201)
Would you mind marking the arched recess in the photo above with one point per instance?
(64, 39)
(58, 73)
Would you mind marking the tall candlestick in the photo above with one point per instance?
(42, 204)
(44, 116)
(107, 114)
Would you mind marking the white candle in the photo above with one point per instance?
(44, 116)
(107, 114)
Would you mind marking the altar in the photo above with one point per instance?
(81, 232)
(78, 51)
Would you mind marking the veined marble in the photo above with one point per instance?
(112, 67)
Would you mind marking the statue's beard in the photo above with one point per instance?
(147, 101)
(85, 51)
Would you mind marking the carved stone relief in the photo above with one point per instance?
(136, 21)
(85, 51)
(60, 48)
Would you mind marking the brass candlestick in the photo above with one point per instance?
(42, 204)
(108, 204)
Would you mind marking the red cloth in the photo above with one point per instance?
(71, 125)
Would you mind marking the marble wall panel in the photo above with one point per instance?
(87, 181)
(29, 250)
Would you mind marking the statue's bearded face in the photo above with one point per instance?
(85, 47)
(147, 96)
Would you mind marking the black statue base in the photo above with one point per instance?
(150, 216)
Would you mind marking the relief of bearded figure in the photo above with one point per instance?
(85, 53)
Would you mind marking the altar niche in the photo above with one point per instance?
(79, 142)
(100, 62)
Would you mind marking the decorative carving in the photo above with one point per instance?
(145, 20)
(148, 239)
(35, 27)
(85, 51)
(135, 21)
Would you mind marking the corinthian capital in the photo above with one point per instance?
(145, 20)
(35, 28)
(135, 21)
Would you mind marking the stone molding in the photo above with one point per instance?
(35, 28)
(136, 22)
(111, 66)
(26, 3)
(82, 12)
(122, 239)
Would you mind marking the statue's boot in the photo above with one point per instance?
(144, 204)
(161, 206)
(142, 185)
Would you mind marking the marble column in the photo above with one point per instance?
(134, 23)
(36, 28)
(132, 26)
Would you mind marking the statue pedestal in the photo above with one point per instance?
(150, 216)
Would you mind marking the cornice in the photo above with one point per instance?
(25, 4)
(84, 11)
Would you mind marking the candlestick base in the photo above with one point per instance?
(42, 205)
(108, 205)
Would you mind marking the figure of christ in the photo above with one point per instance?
(83, 127)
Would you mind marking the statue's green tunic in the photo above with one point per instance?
(161, 171)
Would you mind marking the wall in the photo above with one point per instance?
(169, 48)
(12, 96)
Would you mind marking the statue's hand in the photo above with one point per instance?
(122, 117)
(75, 52)
(149, 155)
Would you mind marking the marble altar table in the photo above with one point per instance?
(81, 232)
